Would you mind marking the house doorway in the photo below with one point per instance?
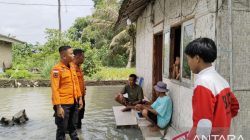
(157, 61)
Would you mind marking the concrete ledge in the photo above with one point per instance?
(123, 118)
(46, 83)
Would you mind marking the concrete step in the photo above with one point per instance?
(123, 118)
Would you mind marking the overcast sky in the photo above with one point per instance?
(28, 23)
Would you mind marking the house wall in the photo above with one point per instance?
(207, 23)
(204, 26)
(5, 54)
(147, 26)
(241, 59)
(204, 23)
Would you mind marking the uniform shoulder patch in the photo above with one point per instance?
(55, 73)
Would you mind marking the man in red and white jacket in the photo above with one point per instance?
(214, 104)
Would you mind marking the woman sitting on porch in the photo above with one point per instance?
(159, 113)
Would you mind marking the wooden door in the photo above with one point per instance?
(157, 61)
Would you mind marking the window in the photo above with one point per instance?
(175, 64)
(174, 53)
(187, 36)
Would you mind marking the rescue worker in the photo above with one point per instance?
(65, 94)
(78, 61)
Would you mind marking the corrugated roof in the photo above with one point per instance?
(9, 39)
(130, 9)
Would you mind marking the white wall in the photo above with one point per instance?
(207, 23)
(5, 54)
(204, 24)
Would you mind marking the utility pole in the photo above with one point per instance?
(59, 20)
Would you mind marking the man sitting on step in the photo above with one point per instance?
(159, 113)
(134, 94)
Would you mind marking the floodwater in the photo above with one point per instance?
(98, 124)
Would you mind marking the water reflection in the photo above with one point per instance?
(98, 124)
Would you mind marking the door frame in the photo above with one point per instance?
(157, 65)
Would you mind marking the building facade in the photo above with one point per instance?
(6, 51)
(165, 27)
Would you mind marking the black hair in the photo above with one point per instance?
(77, 51)
(63, 48)
(204, 48)
(134, 76)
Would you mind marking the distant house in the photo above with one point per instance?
(6, 51)
(165, 27)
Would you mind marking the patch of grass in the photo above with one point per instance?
(47, 66)
(110, 73)
(106, 73)
(18, 74)
(3, 76)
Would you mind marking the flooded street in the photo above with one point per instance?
(99, 123)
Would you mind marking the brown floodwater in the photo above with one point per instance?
(98, 124)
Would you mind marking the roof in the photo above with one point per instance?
(131, 9)
(9, 39)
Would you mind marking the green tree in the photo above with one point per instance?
(97, 29)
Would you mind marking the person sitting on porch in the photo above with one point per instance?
(176, 69)
(134, 94)
(160, 112)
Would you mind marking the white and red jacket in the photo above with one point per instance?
(213, 103)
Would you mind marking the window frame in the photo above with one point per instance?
(166, 53)
(183, 25)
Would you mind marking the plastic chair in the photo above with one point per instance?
(182, 135)
(140, 81)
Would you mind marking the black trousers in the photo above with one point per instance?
(66, 124)
(80, 116)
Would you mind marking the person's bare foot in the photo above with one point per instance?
(150, 125)
(154, 128)
(126, 109)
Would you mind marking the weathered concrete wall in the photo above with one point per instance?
(207, 23)
(241, 59)
(158, 10)
(178, 12)
(5, 54)
(144, 50)
(182, 97)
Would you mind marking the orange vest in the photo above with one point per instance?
(80, 76)
(64, 84)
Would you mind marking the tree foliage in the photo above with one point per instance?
(103, 45)
(117, 46)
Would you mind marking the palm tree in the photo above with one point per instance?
(126, 39)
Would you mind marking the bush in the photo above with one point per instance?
(18, 74)
(48, 64)
(91, 64)
(114, 60)
(109, 73)
(3, 76)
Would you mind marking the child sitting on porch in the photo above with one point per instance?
(214, 104)
(159, 113)
(176, 69)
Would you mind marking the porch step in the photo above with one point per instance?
(146, 132)
(123, 118)
(131, 118)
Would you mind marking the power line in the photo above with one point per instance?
(41, 4)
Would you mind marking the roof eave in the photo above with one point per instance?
(131, 9)
(10, 40)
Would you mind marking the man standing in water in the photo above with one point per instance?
(65, 94)
(78, 61)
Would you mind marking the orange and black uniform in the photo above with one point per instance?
(65, 92)
(80, 76)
